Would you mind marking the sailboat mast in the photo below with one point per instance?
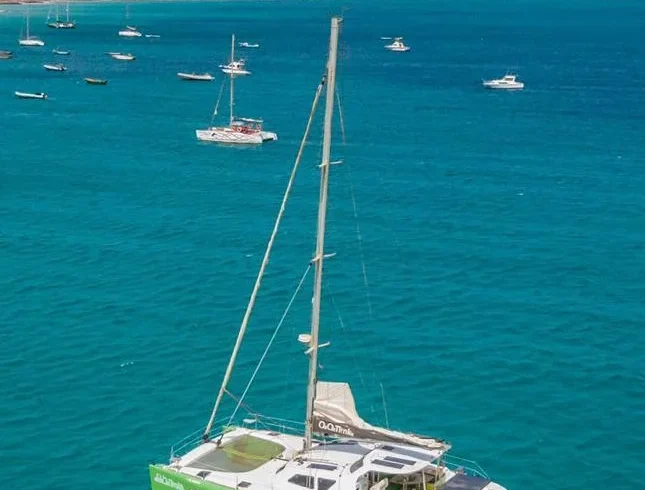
(320, 235)
(67, 11)
(27, 22)
(232, 101)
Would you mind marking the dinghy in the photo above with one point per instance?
(95, 81)
(6, 55)
(122, 56)
(56, 67)
(29, 95)
(60, 52)
(196, 77)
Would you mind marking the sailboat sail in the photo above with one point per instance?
(335, 414)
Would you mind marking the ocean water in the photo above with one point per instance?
(490, 246)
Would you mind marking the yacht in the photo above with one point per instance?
(507, 82)
(130, 31)
(240, 130)
(59, 23)
(235, 68)
(397, 45)
(196, 77)
(334, 449)
(56, 67)
(122, 56)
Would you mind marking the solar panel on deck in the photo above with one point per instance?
(389, 464)
(321, 466)
(399, 460)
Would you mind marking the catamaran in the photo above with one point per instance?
(29, 40)
(336, 449)
(240, 130)
(58, 23)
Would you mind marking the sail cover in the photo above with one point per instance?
(335, 414)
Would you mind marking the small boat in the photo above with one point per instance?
(95, 81)
(385, 38)
(130, 31)
(122, 56)
(507, 82)
(196, 77)
(398, 46)
(6, 55)
(244, 44)
(60, 52)
(29, 95)
(56, 67)
(153, 35)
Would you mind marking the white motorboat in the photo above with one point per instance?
(397, 46)
(122, 56)
(235, 68)
(29, 95)
(240, 130)
(245, 44)
(130, 31)
(196, 77)
(60, 52)
(56, 67)
(507, 82)
(29, 40)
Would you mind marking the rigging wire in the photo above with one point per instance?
(266, 350)
(265, 261)
(219, 97)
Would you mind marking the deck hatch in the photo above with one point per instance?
(322, 466)
(389, 464)
(399, 460)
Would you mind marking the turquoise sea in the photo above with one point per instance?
(490, 246)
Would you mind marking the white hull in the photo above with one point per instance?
(228, 135)
(397, 49)
(122, 57)
(62, 53)
(54, 67)
(28, 95)
(62, 25)
(206, 77)
(503, 86)
(235, 71)
(129, 33)
(31, 42)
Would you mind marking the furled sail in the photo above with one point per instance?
(335, 414)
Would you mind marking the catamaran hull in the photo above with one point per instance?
(31, 42)
(227, 135)
(164, 479)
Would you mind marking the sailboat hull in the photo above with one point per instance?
(31, 42)
(232, 136)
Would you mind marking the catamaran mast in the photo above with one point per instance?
(232, 101)
(320, 236)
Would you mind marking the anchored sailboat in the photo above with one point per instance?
(338, 450)
(28, 39)
(240, 130)
(129, 31)
(61, 24)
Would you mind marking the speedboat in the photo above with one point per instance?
(245, 44)
(29, 95)
(56, 67)
(507, 82)
(122, 56)
(6, 55)
(95, 81)
(235, 68)
(60, 52)
(397, 46)
(196, 77)
(130, 31)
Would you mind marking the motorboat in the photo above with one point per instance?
(154, 36)
(397, 46)
(507, 82)
(29, 95)
(6, 55)
(122, 56)
(60, 52)
(54, 67)
(196, 77)
(235, 68)
(95, 81)
(245, 44)
(130, 31)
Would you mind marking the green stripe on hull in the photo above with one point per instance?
(164, 479)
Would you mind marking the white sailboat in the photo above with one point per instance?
(129, 31)
(240, 130)
(28, 39)
(61, 24)
(337, 449)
